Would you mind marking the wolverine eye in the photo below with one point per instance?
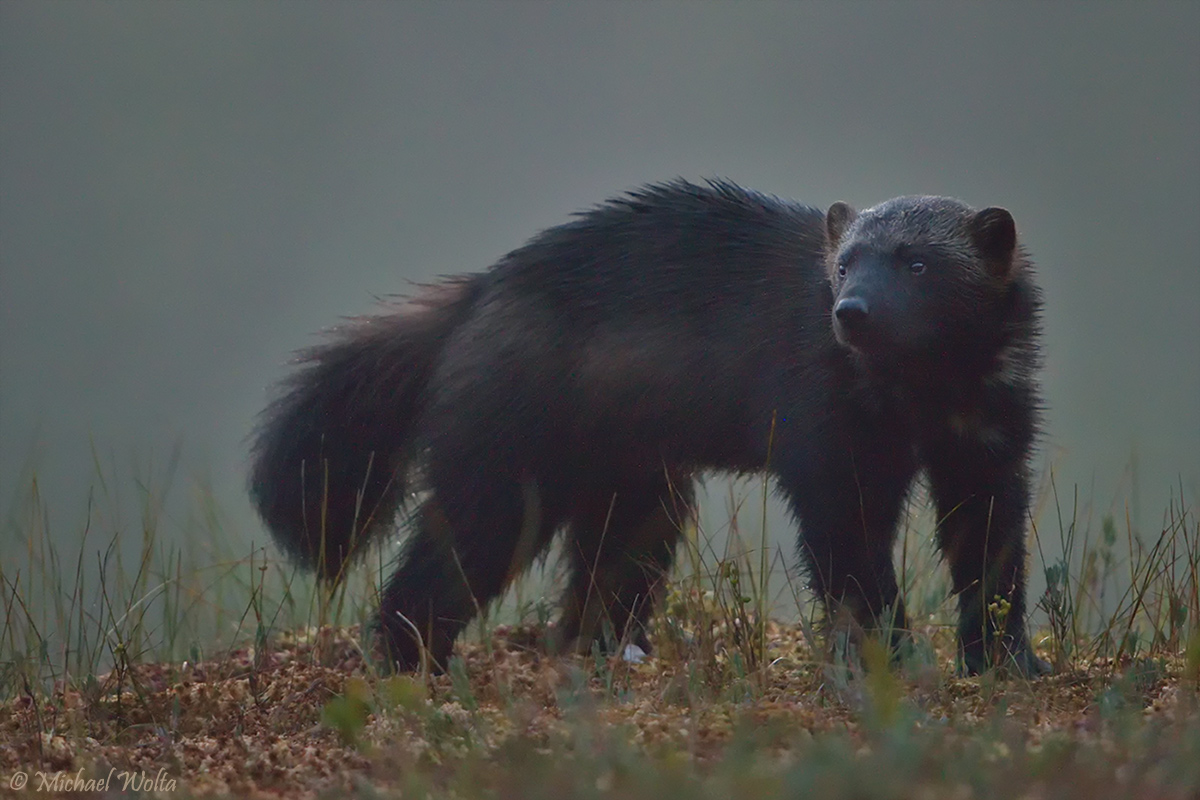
(841, 270)
(916, 267)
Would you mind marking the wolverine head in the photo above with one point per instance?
(918, 277)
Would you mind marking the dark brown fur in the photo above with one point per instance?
(581, 383)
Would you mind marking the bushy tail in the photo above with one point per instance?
(329, 456)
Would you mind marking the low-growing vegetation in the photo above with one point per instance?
(134, 668)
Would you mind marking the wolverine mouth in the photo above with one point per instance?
(873, 348)
(860, 338)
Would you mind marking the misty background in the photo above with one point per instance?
(190, 191)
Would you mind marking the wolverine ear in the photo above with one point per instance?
(995, 234)
(837, 220)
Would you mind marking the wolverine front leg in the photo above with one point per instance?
(983, 501)
(848, 506)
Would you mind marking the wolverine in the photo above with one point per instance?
(582, 383)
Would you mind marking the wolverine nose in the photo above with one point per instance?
(851, 312)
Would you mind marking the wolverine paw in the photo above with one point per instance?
(1016, 659)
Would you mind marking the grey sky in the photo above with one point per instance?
(188, 191)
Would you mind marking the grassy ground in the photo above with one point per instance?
(146, 672)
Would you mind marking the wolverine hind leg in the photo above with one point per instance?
(620, 546)
(461, 556)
